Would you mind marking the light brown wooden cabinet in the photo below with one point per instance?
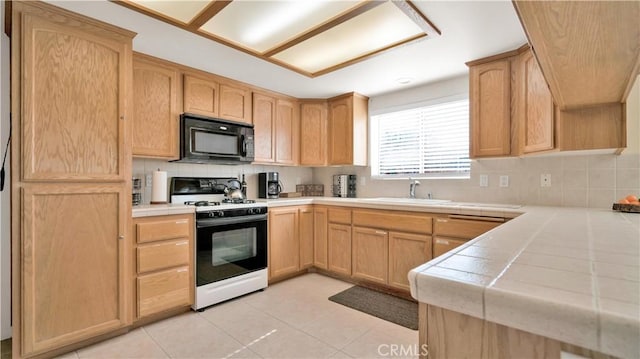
(348, 130)
(164, 263)
(71, 170)
(306, 233)
(406, 251)
(287, 131)
(320, 237)
(370, 254)
(490, 107)
(235, 103)
(264, 124)
(276, 125)
(339, 248)
(313, 133)
(201, 95)
(453, 231)
(156, 108)
(284, 243)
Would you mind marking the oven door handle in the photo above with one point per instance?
(212, 222)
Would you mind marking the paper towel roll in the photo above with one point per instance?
(159, 187)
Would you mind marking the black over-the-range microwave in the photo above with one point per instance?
(211, 140)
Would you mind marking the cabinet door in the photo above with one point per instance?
(287, 120)
(284, 248)
(465, 228)
(235, 103)
(406, 251)
(442, 245)
(320, 238)
(536, 110)
(73, 101)
(155, 110)
(370, 252)
(201, 96)
(73, 263)
(306, 237)
(490, 102)
(264, 117)
(340, 132)
(313, 134)
(339, 248)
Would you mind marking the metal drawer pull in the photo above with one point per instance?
(181, 270)
(182, 221)
(182, 243)
(476, 218)
(120, 237)
(442, 241)
(381, 232)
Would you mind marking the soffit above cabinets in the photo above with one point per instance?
(310, 37)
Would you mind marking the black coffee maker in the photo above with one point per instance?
(269, 185)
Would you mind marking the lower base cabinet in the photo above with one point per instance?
(339, 248)
(443, 245)
(406, 251)
(164, 263)
(284, 243)
(370, 254)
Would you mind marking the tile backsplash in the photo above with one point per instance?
(576, 181)
(289, 176)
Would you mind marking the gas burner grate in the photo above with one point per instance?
(238, 201)
(201, 203)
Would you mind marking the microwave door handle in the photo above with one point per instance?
(244, 145)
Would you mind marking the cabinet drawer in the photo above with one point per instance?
(443, 245)
(337, 215)
(404, 222)
(162, 255)
(163, 229)
(162, 291)
(465, 228)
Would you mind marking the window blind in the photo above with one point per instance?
(429, 141)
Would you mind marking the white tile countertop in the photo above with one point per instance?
(569, 274)
(149, 210)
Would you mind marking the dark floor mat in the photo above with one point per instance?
(384, 306)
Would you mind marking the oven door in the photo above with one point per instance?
(229, 247)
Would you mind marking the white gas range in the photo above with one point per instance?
(230, 242)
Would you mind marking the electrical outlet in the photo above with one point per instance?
(545, 180)
(484, 180)
(504, 181)
(363, 180)
(148, 180)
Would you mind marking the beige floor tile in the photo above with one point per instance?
(243, 322)
(385, 340)
(340, 326)
(135, 344)
(292, 343)
(191, 336)
(70, 355)
(340, 355)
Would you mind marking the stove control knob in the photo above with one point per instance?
(219, 213)
(211, 214)
(252, 211)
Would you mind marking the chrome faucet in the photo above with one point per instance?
(412, 187)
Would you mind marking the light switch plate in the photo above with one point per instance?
(545, 180)
(484, 180)
(504, 181)
(148, 180)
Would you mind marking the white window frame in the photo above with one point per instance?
(373, 135)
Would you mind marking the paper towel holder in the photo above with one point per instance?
(159, 187)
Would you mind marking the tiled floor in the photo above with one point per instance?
(291, 319)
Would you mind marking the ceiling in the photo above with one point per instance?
(469, 30)
(312, 38)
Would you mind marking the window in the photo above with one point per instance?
(427, 141)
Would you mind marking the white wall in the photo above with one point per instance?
(5, 210)
(583, 180)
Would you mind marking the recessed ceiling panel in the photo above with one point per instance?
(262, 25)
(182, 11)
(374, 30)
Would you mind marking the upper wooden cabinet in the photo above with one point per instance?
(535, 111)
(313, 133)
(348, 123)
(156, 108)
(235, 103)
(210, 96)
(490, 102)
(287, 131)
(588, 50)
(201, 95)
(276, 125)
